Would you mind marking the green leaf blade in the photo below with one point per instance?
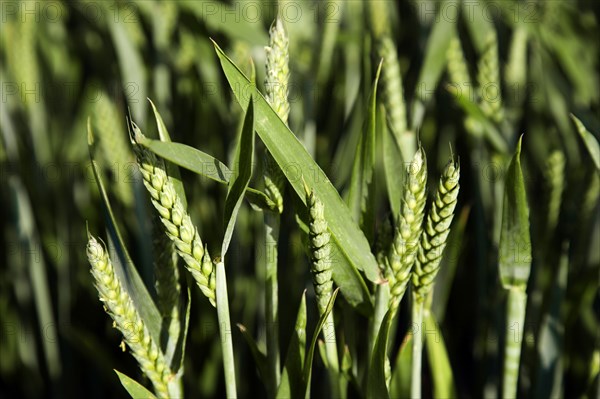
(242, 173)
(134, 388)
(296, 163)
(515, 240)
(362, 185)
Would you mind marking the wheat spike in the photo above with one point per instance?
(393, 94)
(120, 307)
(320, 250)
(408, 230)
(457, 66)
(276, 86)
(435, 235)
(178, 223)
(488, 80)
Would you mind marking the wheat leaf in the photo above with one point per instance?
(296, 163)
(134, 388)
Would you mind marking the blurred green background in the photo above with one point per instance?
(64, 62)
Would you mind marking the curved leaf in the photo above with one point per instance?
(311, 349)
(242, 172)
(121, 260)
(376, 385)
(589, 140)
(135, 389)
(362, 185)
(296, 163)
(515, 241)
(292, 377)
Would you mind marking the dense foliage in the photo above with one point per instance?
(503, 93)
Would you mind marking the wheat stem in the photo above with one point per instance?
(120, 307)
(417, 349)
(177, 222)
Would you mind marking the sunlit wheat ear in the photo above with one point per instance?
(488, 79)
(433, 239)
(409, 227)
(276, 86)
(320, 250)
(120, 307)
(177, 222)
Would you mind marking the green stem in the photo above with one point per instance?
(382, 300)
(417, 349)
(225, 331)
(272, 222)
(515, 319)
(332, 356)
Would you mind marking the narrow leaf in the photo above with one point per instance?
(189, 158)
(296, 163)
(311, 349)
(260, 359)
(400, 384)
(292, 375)
(393, 165)
(202, 164)
(122, 262)
(434, 62)
(515, 242)
(589, 140)
(134, 388)
(441, 370)
(172, 169)
(376, 383)
(362, 184)
(242, 173)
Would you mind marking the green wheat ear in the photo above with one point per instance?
(488, 80)
(393, 95)
(457, 66)
(320, 250)
(177, 222)
(408, 231)
(276, 87)
(433, 239)
(120, 307)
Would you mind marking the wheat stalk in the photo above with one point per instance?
(408, 231)
(435, 235)
(177, 222)
(276, 87)
(120, 307)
